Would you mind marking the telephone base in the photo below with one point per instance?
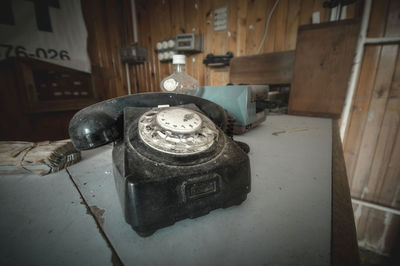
(148, 232)
(158, 189)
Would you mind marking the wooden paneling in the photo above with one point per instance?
(109, 28)
(372, 141)
(158, 20)
(322, 68)
(271, 68)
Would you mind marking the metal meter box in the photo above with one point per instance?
(133, 54)
(189, 42)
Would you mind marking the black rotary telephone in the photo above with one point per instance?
(171, 158)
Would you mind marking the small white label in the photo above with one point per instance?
(170, 84)
(316, 17)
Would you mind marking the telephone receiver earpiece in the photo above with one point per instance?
(101, 123)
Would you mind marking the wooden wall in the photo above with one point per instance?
(109, 26)
(158, 20)
(372, 141)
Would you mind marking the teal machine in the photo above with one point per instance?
(245, 102)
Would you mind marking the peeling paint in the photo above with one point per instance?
(396, 194)
(115, 260)
(365, 191)
(381, 242)
(357, 214)
(98, 213)
(371, 115)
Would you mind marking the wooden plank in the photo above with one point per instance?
(143, 23)
(259, 11)
(106, 34)
(218, 76)
(241, 28)
(159, 32)
(392, 28)
(374, 121)
(306, 12)
(382, 188)
(193, 18)
(232, 33)
(203, 10)
(115, 33)
(148, 42)
(280, 18)
(269, 43)
(376, 229)
(344, 241)
(273, 68)
(129, 40)
(388, 192)
(359, 110)
(293, 18)
(377, 20)
(322, 68)
(371, 219)
(217, 41)
(354, 10)
(385, 146)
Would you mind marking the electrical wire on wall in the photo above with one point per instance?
(267, 26)
(135, 40)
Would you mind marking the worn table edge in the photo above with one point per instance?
(344, 246)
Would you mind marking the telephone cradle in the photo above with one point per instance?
(170, 162)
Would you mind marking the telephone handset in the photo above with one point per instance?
(170, 162)
(101, 123)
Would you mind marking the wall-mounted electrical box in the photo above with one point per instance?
(185, 43)
(189, 42)
(166, 49)
(133, 54)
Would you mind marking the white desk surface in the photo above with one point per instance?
(42, 222)
(286, 219)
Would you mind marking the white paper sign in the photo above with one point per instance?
(221, 18)
(50, 30)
